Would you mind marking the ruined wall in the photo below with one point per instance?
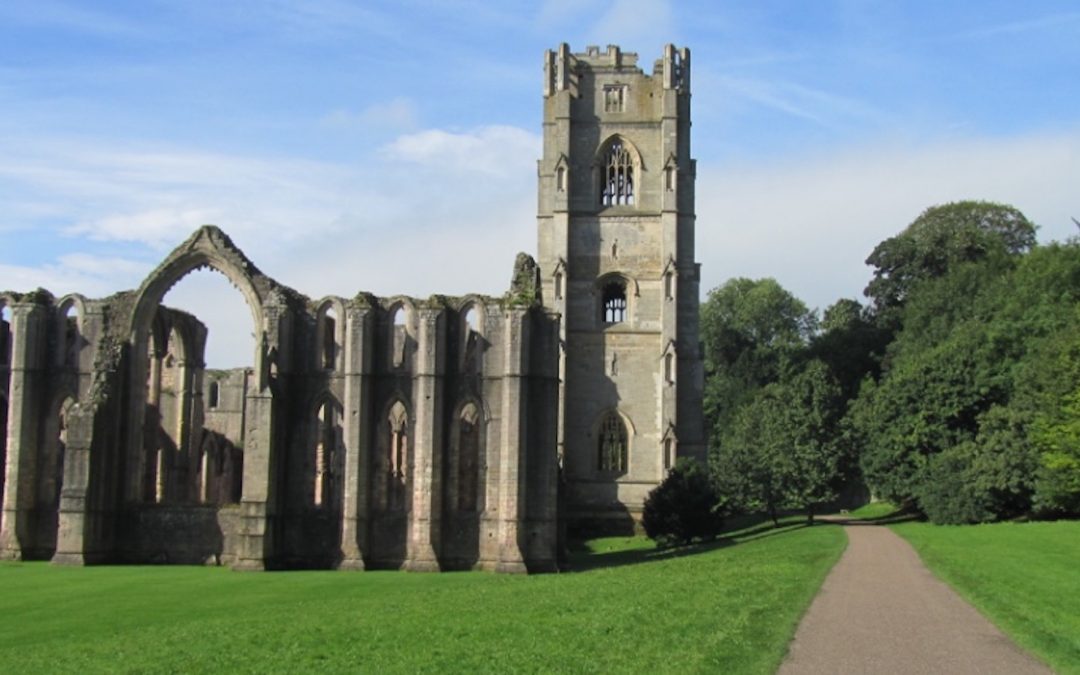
(383, 432)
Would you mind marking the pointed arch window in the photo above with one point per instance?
(399, 440)
(617, 179)
(468, 457)
(612, 445)
(327, 453)
(613, 309)
(327, 335)
(399, 336)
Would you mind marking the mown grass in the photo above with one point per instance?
(1024, 577)
(873, 511)
(731, 606)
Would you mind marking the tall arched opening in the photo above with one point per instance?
(186, 462)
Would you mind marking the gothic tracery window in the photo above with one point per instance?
(612, 447)
(617, 180)
(613, 309)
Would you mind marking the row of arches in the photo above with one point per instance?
(393, 461)
(400, 332)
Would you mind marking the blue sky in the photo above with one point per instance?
(391, 147)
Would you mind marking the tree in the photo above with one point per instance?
(753, 331)
(940, 238)
(783, 449)
(850, 343)
(972, 419)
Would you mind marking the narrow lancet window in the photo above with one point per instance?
(468, 457)
(617, 187)
(612, 446)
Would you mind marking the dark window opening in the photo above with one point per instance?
(612, 446)
(329, 340)
(215, 393)
(614, 308)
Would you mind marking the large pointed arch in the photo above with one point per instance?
(207, 247)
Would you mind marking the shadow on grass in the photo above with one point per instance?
(583, 560)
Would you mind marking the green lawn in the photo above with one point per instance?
(729, 607)
(1025, 577)
(873, 511)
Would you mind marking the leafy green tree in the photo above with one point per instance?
(783, 450)
(850, 343)
(753, 331)
(813, 407)
(749, 467)
(972, 404)
(940, 238)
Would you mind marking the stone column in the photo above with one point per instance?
(29, 323)
(512, 469)
(422, 543)
(73, 530)
(357, 435)
(256, 536)
(258, 505)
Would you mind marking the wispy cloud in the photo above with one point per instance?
(821, 107)
(812, 223)
(1054, 21)
(645, 23)
(434, 211)
(69, 16)
(495, 150)
(90, 275)
(397, 114)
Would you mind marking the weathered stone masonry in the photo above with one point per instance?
(446, 433)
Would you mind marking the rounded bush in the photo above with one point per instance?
(684, 507)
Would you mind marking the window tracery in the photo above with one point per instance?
(612, 448)
(613, 309)
(617, 181)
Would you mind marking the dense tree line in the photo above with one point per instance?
(955, 390)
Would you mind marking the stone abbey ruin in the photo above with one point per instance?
(443, 433)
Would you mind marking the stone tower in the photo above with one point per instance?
(616, 248)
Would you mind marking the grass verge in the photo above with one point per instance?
(1024, 577)
(730, 606)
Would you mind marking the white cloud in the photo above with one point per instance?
(812, 223)
(440, 211)
(90, 275)
(495, 150)
(157, 227)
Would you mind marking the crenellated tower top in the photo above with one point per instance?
(562, 67)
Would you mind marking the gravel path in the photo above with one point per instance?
(881, 611)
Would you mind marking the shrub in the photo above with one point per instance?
(947, 495)
(683, 507)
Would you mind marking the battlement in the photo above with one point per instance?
(562, 67)
(614, 57)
